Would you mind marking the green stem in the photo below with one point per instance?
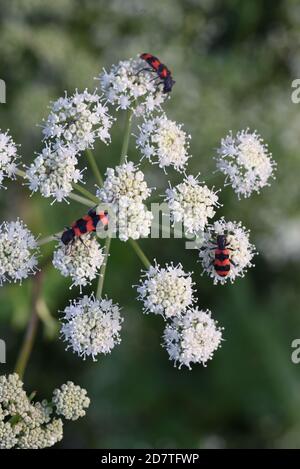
(20, 173)
(103, 268)
(108, 239)
(140, 253)
(81, 200)
(94, 166)
(31, 328)
(85, 192)
(125, 145)
(49, 239)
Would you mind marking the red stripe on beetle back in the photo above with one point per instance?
(152, 60)
(90, 226)
(146, 56)
(77, 231)
(164, 73)
(155, 63)
(222, 274)
(222, 251)
(217, 262)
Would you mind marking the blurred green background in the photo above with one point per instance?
(233, 62)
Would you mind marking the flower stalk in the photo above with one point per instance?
(103, 268)
(82, 200)
(127, 131)
(94, 166)
(85, 192)
(140, 253)
(32, 327)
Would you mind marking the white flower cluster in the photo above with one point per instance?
(70, 401)
(239, 246)
(128, 86)
(81, 261)
(192, 338)
(91, 326)
(246, 162)
(28, 425)
(126, 180)
(53, 171)
(18, 252)
(164, 140)
(73, 125)
(126, 189)
(134, 220)
(191, 335)
(167, 291)
(78, 120)
(191, 203)
(8, 157)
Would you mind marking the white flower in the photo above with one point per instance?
(241, 251)
(164, 142)
(167, 291)
(8, 157)
(125, 180)
(81, 261)
(128, 86)
(246, 162)
(18, 252)
(8, 435)
(24, 424)
(53, 171)
(40, 437)
(70, 401)
(91, 326)
(192, 338)
(78, 120)
(191, 203)
(134, 220)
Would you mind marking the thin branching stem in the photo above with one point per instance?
(81, 200)
(140, 253)
(103, 268)
(125, 144)
(94, 166)
(85, 192)
(32, 327)
(108, 239)
(49, 239)
(20, 173)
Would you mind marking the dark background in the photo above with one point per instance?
(233, 62)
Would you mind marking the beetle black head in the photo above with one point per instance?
(67, 236)
(168, 84)
(221, 241)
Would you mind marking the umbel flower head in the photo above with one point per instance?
(25, 424)
(192, 338)
(70, 401)
(246, 162)
(128, 86)
(81, 261)
(167, 291)
(134, 220)
(192, 203)
(53, 171)
(78, 120)
(164, 142)
(91, 326)
(240, 248)
(126, 180)
(18, 252)
(8, 157)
